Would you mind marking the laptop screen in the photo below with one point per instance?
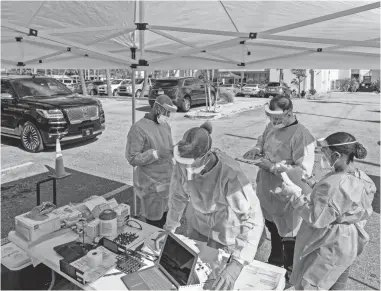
(177, 261)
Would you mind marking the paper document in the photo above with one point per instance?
(261, 276)
(251, 162)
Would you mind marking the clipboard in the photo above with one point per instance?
(250, 162)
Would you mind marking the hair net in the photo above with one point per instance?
(196, 142)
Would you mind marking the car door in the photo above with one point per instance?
(199, 88)
(9, 110)
(189, 86)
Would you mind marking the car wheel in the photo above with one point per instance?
(138, 93)
(115, 93)
(186, 104)
(31, 138)
(93, 92)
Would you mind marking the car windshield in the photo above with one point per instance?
(98, 83)
(251, 85)
(41, 87)
(226, 85)
(273, 84)
(115, 82)
(166, 83)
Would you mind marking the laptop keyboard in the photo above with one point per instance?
(155, 279)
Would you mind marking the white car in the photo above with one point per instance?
(115, 84)
(231, 87)
(126, 90)
(252, 90)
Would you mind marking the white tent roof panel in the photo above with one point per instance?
(100, 34)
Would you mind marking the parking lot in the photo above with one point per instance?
(99, 167)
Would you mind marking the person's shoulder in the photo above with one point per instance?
(228, 162)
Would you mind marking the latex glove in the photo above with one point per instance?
(227, 278)
(165, 154)
(281, 167)
(250, 155)
(159, 241)
(265, 165)
(308, 180)
(289, 190)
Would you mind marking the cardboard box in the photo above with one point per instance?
(31, 230)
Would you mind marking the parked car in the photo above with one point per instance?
(235, 89)
(126, 90)
(37, 109)
(68, 82)
(275, 88)
(92, 87)
(102, 89)
(184, 92)
(252, 90)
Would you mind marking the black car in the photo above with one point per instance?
(37, 109)
(276, 88)
(184, 92)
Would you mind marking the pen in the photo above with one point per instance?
(113, 274)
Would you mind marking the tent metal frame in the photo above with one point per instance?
(243, 38)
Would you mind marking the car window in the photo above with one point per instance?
(6, 88)
(273, 84)
(98, 83)
(188, 82)
(166, 83)
(41, 87)
(115, 82)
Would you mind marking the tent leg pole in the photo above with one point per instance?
(134, 210)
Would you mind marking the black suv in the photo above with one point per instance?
(184, 92)
(37, 109)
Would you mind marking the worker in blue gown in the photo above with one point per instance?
(332, 233)
(150, 151)
(286, 145)
(222, 208)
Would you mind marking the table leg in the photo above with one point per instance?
(53, 280)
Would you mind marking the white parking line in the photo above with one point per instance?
(18, 166)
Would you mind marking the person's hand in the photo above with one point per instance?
(308, 180)
(265, 164)
(281, 167)
(290, 190)
(227, 278)
(159, 241)
(250, 155)
(165, 154)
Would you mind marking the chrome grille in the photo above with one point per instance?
(80, 114)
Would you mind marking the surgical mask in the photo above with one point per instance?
(162, 119)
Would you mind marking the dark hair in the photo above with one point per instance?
(282, 102)
(353, 150)
(196, 141)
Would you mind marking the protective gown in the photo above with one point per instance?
(222, 206)
(152, 175)
(295, 145)
(332, 234)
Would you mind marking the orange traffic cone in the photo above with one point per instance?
(60, 169)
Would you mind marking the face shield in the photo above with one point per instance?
(164, 112)
(326, 153)
(276, 117)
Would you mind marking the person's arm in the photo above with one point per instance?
(246, 206)
(178, 200)
(261, 139)
(319, 212)
(135, 147)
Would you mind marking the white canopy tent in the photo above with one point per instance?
(190, 34)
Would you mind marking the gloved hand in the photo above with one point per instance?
(165, 154)
(265, 165)
(159, 241)
(287, 191)
(250, 155)
(227, 278)
(281, 167)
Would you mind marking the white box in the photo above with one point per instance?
(31, 230)
(92, 228)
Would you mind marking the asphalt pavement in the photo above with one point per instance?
(356, 113)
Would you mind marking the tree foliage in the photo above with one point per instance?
(300, 75)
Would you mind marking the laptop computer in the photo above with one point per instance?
(174, 268)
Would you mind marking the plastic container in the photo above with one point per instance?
(108, 223)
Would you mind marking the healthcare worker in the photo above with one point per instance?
(285, 146)
(332, 234)
(222, 207)
(150, 151)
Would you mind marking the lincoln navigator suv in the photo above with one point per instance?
(38, 109)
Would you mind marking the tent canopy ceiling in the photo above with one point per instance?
(191, 34)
